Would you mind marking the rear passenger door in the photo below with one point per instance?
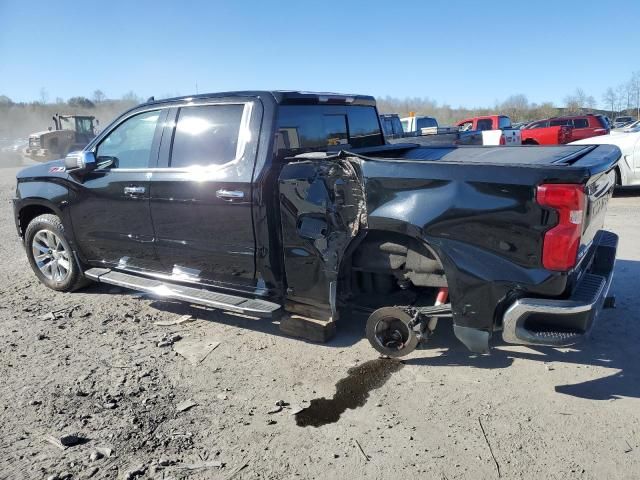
(201, 197)
(581, 129)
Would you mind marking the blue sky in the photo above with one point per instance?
(456, 52)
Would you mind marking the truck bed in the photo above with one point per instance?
(572, 163)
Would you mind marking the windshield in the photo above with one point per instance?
(426, 122)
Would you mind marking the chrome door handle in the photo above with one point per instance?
(230, 194)
(133, 190)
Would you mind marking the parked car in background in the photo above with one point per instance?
(391, 125)
(496, 129)
(420, 125)
(583, 126)
(619, 122)
(628, 169)
(542, 133)
(628, 128)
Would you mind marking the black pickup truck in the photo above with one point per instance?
(290, 202)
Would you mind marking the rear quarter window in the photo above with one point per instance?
(485, 124)
(304, 128)
(504, 122)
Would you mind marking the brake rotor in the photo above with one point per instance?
(389, 331)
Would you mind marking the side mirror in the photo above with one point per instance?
(80, 162)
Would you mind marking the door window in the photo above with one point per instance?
(466, 126)
(207, 135)
(485, 124)
(129, 145)
(580, 123)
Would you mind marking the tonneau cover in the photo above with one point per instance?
(525, 155)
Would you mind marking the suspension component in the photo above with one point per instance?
(390, 330)
(441, 299)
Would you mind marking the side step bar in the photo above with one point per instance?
(222, 301)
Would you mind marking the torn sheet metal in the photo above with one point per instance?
(323, 206)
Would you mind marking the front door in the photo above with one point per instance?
(201, 202)
(109, 207)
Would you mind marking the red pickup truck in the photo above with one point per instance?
(559, 130)
(495, 129)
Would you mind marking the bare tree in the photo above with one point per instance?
(516, 106)
(44, 95)
(634, 87)
(610, 99)
(98, 96)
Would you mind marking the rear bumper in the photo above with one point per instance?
(540, 321)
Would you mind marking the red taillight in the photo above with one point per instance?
(503, 140)
(561, 243)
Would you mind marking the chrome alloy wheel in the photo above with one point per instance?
(50, 255)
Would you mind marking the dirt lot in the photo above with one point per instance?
(92, 368)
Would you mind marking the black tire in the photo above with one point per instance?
(44, 226)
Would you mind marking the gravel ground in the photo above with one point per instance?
(88, 364)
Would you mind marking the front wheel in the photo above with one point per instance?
(50, 255)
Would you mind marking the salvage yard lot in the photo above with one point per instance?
(89, 364)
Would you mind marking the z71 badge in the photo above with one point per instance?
(57, 170)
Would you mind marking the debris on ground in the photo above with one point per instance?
(364, 455)
(59, 313)
(202, 465)
(95, 455)
(65, 441)
(196, 350)
(135, 471)
(275, 409)
(186, 405)
(168, 340)
(177, 321)
(104, 451)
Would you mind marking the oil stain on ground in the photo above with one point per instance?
(351, 392)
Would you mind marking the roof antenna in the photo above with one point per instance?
(151, 99)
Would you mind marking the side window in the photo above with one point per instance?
(129, 145)
(504, 122)
(364, 129)
(466, 126)
(485, 124)
(405, 125)
(206, 135)
(560, 121)
(397, 126)
(580, 123)
(387, 126)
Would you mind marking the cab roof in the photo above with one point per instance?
(281, 97)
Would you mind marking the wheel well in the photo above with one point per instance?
(530, 141)
(387, 267)
(618, 176)
(30, 212)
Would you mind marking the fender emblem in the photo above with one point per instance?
(57, 170)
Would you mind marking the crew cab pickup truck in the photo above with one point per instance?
(292, 204)
(495, 129)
